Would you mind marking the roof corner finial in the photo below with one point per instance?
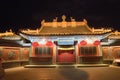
(85, 21)
(63, 17)
(43, 21)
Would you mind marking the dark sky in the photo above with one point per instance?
(18, 14)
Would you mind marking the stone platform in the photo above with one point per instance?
(67, 66)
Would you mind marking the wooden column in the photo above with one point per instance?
(110, 53)
(54, 54)
(21, 53)
(77, 54)
(100, 51)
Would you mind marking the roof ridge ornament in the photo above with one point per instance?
(55, 20)
(63, 18)
(73, 22)
(54, 23)
(72, 19)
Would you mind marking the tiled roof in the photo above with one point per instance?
(69, 30)
(65, 28)
(9, 35)
(114, 35)
(9, 43)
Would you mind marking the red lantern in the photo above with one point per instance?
(49, 43)
(83, 42)
(35, 44)
(96, 42)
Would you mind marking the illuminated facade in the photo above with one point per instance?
(63, 43)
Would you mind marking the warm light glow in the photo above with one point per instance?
(90, 41)
(43, 41)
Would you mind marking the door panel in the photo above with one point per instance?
(65, 56)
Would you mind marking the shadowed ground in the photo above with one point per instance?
(88, 73)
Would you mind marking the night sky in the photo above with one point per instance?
(23, 14)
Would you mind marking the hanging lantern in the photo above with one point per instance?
(83, 42)
(49, 43)
(96, 42)
(35, 44)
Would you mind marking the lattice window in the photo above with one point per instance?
(87, 50)
(43, 50)
(49, 50)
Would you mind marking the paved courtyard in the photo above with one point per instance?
(86, 73)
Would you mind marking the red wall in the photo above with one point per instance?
(115, 52)
(105, 51)
(6, 52)
(19, 53)
(66, 56)
(26, 53)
